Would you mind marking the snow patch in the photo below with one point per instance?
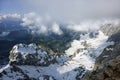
(2, 69)
(87, 49)
(25, 49)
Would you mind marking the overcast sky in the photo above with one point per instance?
(64, 10)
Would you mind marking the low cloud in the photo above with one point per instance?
(5, 16)
(56, 29)
(93, 25)
(40, 25)
(45, 25)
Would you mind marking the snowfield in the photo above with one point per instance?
(80, 58)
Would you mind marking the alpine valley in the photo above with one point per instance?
(59, 52)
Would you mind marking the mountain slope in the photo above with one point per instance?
(72, 65)
(107, 65)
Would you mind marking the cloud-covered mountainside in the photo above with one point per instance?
(48, 50)
(37, 24)
(28, 26)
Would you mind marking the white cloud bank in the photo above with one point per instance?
(45, 25)
(5, 16)
(38, 24)
(76, 10)
(93, 25)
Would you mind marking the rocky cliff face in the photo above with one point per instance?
(31, 54)
(24, 59)
(107, 65)
(109, 53)
(110, 29)
(110, 71)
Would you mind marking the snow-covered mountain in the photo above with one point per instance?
(27, 62)
(12, 33)
(65, 56)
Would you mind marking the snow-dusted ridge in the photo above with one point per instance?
(80, 58)
(87, 49)
(31, 54)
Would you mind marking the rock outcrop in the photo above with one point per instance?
(107, 65)
(110, 29)
(31, 54)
